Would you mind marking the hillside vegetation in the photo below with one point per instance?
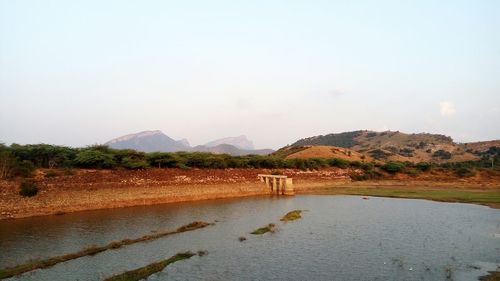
(397, 146)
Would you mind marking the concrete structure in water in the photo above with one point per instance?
(281, 185)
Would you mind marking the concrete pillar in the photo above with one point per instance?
(289, 187)
(275, 187)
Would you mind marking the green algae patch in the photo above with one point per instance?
(148, 270)
(268, 228)
(291, 216)
(93, 250)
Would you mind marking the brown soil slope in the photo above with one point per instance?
(103, 189)
(324, 151)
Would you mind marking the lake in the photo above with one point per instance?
(338, 238)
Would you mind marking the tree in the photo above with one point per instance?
(6, 162)
(393, 167)
(91, 158)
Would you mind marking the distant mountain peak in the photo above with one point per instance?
(241, 142)
(149, 141)
(184, 142)
(136, 135)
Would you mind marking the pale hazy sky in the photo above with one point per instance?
(83, 72)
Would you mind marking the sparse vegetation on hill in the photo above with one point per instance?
(397, 146)
(347, 139)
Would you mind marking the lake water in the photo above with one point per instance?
(338, 238)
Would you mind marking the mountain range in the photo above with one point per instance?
(152, 141)
(355, 146)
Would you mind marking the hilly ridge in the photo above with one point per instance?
(398, 146)
(148, 141)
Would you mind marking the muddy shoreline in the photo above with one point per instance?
(104, 189)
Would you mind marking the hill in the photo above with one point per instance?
(397, 146)
(480, 147)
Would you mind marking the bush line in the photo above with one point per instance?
(21, 160)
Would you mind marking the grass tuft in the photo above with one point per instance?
(144, 272)
(268, 228)
(291, 216)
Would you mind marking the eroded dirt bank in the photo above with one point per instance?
(101, 189)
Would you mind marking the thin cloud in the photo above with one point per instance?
(447, 108)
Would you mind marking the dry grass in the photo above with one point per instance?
(90, 251)
(324, 151)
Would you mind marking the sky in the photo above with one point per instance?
(83, 72)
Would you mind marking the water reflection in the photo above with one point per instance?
(339, 238)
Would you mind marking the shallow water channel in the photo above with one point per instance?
(338, 238)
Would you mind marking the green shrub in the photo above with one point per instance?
(393, 167)
(423, 166)
(296, 163)
(367, 166)
(357, 164)
(164, 159)
(379, 154)
(338, 162)
(28, 189)
(367, 175)
(443, 154)
(133, 164)
(408, 152)
(359, 177)
(464, 172)
(412, 172)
